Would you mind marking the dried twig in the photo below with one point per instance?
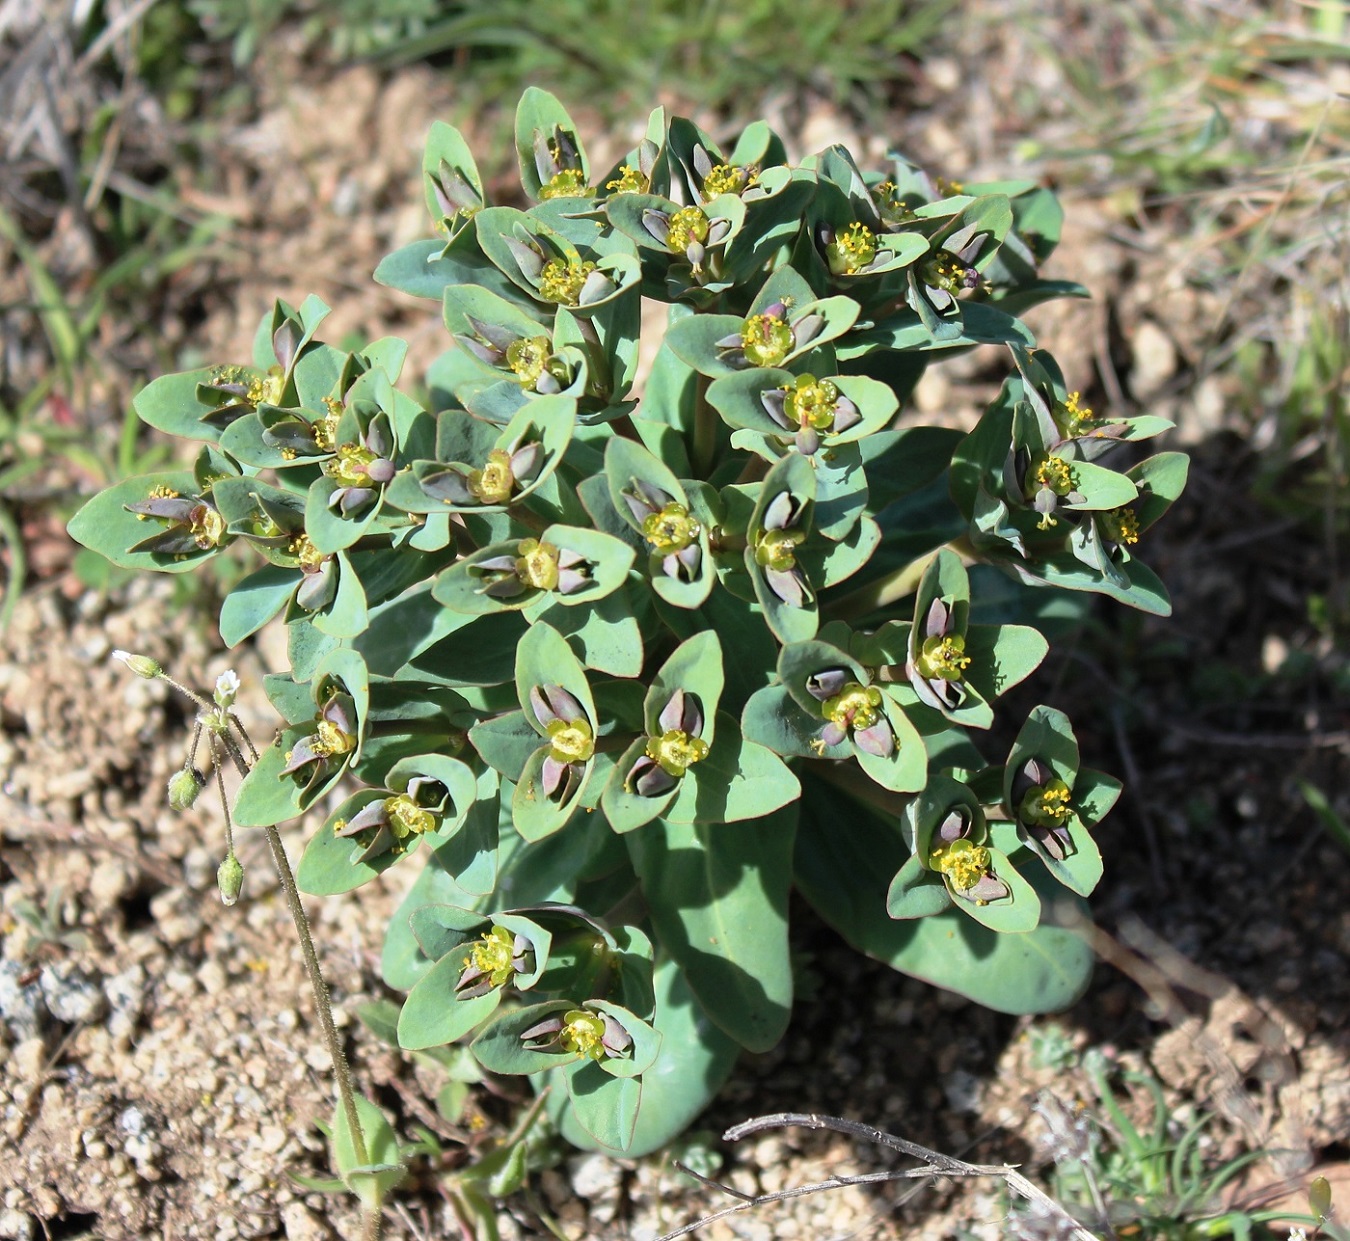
(935, 1164)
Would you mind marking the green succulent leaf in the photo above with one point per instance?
(1044, 970)
(170, 403)
(540, 117)
(1094, 793)
(262, 595)
(605, 1106)
(718, 899)
(1002, 656)
(505, 742)
(916, 892)
(432, 1016)
(694, 1060)
(266, 797)
(106, 526)
(1047, 735)
(383, 1169)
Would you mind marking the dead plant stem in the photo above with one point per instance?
(935, 1164)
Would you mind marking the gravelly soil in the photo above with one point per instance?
(157, 1077)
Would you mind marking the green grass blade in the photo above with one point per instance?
(1336, 827)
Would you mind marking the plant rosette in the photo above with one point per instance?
(610, 617)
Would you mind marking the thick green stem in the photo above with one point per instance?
(855, 783)
(889, 589)
(528, 518)
(879, 594)
(705, 430)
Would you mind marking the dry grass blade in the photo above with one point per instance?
(935, 1164)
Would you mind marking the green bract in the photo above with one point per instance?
(621, 658)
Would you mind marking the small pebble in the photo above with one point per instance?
(20, 1001)
(109, 882)
(595, 1176)
(126, 995)
(271, 1138)
(199, 868)
(72, 995)
(17, 1226)
(962, 1090)
(301, 1224)
(28, 1059)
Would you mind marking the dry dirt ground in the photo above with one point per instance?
(158, 1075)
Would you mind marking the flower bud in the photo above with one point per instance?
(141, 665)
(230, 878)
(183, 788)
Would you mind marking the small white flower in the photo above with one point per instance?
(1298, 1234)
(227, 689)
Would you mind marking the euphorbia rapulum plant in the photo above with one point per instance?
(619, 658)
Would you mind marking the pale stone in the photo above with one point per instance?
(1153, 360)
(595, 1176)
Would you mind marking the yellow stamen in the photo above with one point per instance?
(851, 250)
(309, 556)
(208, 526)
(767, 340)
(537, 564)
(675, 751)
(811, 403)
(1120, 525)
(855, 706)
(727, 179)
(777, 549)
(943, 658)
(347, 468)
(407, 818)
(494, 483)
(562, 279)
(670, 530)
(583, 1034)
(687, 225)
(493, 953)
(571, 741)
(629, 181)
(965, 864)
(568, 183)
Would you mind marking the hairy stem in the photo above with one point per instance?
(341, 1069)
(217, 751)
(322, 1001)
